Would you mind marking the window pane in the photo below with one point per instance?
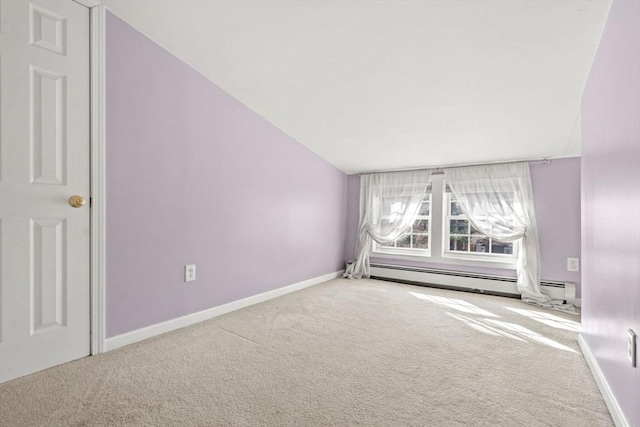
(421, 241)
(479, 244)
(455, 208)
(501, 248)
(424, 209)
(404, 241)
(421, 226)
(474, 231)
(459, 226)
(459, 243)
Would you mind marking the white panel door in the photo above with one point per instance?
(44, 159)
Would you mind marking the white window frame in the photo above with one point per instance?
(484, 256)
(438, 240)
(387, 251)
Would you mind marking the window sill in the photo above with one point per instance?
(409, 257)
(450, 260)
(470, 260)
(416, 255)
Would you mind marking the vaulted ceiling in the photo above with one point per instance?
(384, 85)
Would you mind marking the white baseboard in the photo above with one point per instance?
(184, 321)
(614, 408)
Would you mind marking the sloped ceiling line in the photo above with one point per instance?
(373, 85)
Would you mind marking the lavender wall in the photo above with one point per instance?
(556, 194)
(611, 203)
(194, 176)
(556, 189)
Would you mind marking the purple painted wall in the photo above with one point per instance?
(195, 177)
(556, 194)
(556, 191)
(611, 203)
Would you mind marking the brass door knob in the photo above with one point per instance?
(77, 201)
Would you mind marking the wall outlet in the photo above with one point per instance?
(189, 273)
(631, 348)
(573, 264)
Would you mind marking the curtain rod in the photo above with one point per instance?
(439, 169)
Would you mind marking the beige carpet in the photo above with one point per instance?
(342, 353)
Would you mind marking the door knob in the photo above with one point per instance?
(77, 201)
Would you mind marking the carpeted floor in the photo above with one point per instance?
(341, 353)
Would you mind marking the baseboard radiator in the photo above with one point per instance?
(470, 282)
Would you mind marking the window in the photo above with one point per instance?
(463, 239)
(416, 241)
(442, 234)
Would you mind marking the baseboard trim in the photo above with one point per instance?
(190, 319)
(614, 408)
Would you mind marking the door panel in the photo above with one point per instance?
(48, 121)
(44, 159)
(48, 270)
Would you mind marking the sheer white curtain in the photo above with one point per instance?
(389, 204)
(498, 202)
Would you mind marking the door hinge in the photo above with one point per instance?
(90, 202)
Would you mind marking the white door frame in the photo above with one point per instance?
(97, 203)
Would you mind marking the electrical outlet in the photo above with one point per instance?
(631, 348)
(573, 264)
(189, 273)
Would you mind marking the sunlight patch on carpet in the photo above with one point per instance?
(483, 327)
(549, 319)
(456, 304)
(509, 330)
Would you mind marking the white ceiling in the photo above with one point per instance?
(382, 85)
